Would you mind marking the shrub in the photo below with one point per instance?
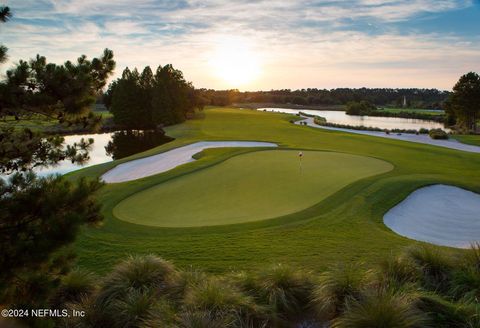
(97, 314)
(472, 256)
(149, 292)
(447, 314)
(465, 284)
(204, 319)
(319, 120)
(75, 285)
(132, 310)
(335, 288)
(222, 300)
(381, 309)
(287, 291)
(282, 290)
(435, 266)
(396, 271)
(143, 273)
(178, 287)
(438, 134)
(360, 108)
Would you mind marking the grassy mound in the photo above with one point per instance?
(248, 187)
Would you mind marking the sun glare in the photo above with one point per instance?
(235, 62)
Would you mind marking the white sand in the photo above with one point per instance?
(438, 214)
(421, 138)
(168, 160)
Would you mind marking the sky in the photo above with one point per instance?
(260, 45)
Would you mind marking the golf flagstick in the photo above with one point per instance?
(300, 155)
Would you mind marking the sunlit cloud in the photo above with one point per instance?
(254, 44)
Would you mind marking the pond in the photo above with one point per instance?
(107, 147)
(340, 117)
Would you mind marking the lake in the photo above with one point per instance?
(340, 117)
(107, 147)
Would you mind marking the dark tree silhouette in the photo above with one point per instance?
(40, 217)
(5, 15)
(147, 100)
(464, 103)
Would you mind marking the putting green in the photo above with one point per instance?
(249, 187)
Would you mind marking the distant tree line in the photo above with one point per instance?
(147, 100)
(365, 108)
(418, 98)
(360, 108)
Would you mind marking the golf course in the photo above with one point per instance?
(240, 208)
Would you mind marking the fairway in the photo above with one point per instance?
(333, 212)
(249, 187)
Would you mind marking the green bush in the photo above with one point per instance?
(222, 300)
(435, 266)
(283, 291)
(335, 288)
(465, 284)
(319, 120)
(446, 314)
(142, 273)
(75, 285)
(360, 108)
(438, 134)
(382, 309)
(396, 271)
(424, 286)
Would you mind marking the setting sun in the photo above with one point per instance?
(235, 62)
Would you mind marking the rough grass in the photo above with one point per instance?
(249, 187)
(345, 227)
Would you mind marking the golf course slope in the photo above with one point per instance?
(249, 187)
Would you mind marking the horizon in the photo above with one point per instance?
(261, 46)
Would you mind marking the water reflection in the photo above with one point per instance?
(340, 117)
(126, 143)
(107, 147)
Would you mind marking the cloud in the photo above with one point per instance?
(124, 27)
(299, 43)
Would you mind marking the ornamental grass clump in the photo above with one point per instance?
(335, 288)
(382, 309)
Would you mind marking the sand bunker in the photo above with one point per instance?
(168, 160)
(439, 214)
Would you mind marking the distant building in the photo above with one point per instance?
(404, 102)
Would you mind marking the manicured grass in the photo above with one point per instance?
(249, 187)
(40, 123)
(469, 139)
(413, 110)
(35, 123)
(346, 226)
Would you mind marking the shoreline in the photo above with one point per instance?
(423, 139)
